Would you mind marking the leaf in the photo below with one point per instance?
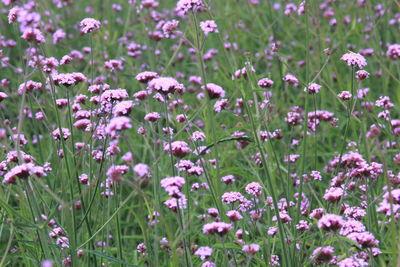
(243, 138)
(35, 243)
(7, 208)
(347, 240)
(108, 257)
(227, 245)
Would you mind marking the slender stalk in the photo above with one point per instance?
(315, 132)
(268, 177)
(179, 211)
(118, 223)
(71, 191)
(349, 114)
(212, 182)
(33, 204)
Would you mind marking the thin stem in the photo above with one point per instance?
(185, 245)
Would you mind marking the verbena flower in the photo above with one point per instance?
(89, 25)
(220, 228)
(189, 5)
(208, 26)
(203, 252)
(330, 222)
(354, 60)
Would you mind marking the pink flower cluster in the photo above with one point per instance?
(173, 186)
(208, 26)
(89, 25)
(354, 60)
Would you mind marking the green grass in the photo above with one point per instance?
(122, 220)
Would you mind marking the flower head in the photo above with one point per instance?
(214, 91)
(179, 148)
(220, 228)
(115, 172)
(118, 124)
(254, 189)
(34, 35)
(265, 83)
(208, 26)
(12, 14)
(322, 254)
(89, 25)
(203, 252)
(165, 85)
(251, 249)
(189, 5)
(68, 79)
(362, 75)
(393, 51)
(354, 60)
(312, 88)
(330, 222)
(65, 133)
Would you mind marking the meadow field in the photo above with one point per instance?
(212, 133)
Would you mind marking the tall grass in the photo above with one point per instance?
(285, 164)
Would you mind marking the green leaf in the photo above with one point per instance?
(108, 257)
(7, 208)
(227, 245)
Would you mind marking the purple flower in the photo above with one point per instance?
(208, 26)
(365, 239)
(352, 262)
(115, 172)
(142, 170)
(68, 79)
(291, 79)
(220, 228)
(179, 148)
(234, 215)
(322, 254)
(362, 75)
(312, 88)
(232, 197)
(251, 249)
(254, 189)
(152, 116)
(169, 27)
(189, 5)
(393, 51)
(203, 252)
(214, 91)
(63, 241)
(354, 60)
(13, 14)
(173, 185)
(394, 196)
(265, 83)
(345, 95)
(58, 35)
(334, 194)
(142, 249)
(88, 25)
(208, 264)
(34, 35)
(29, 86)
(330, 222)
(65, 133)
(146, 76)
(220, 105)
(117, 124)
(123, 108)
(228, 179)
(165, 85)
